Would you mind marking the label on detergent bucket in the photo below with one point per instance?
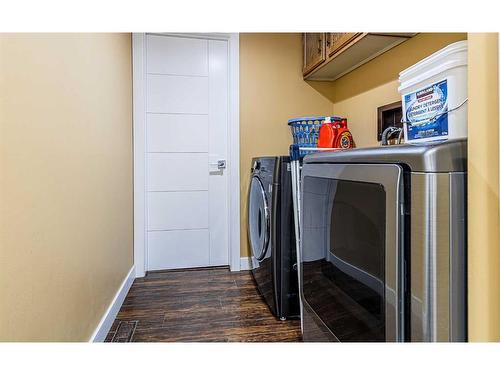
(426, 112)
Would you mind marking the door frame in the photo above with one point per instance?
(139, 137)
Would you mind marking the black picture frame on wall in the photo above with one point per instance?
(389, 115)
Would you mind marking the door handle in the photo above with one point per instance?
(220, 164)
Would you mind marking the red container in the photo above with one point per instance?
(335, 135)
(327, 134)
(343, 137)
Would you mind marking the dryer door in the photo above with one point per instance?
(258, 219)
(352, 251)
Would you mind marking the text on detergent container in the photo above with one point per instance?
(426, 111)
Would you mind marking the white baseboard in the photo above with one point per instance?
(109, 316)
(246, 263)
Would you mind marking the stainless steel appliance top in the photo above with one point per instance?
(444, 156)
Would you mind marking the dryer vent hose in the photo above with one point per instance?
(389, 132)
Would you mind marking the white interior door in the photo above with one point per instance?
(186, 136)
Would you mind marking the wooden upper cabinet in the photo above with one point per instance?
(328, 56)
(335, 41)
(314, 51)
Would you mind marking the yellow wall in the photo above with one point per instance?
(271, 91)
(65, 182)
(358, 94)
(483, 203)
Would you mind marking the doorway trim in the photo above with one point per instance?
(139, 146)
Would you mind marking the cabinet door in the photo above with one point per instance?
(314, 50)
(335, 41)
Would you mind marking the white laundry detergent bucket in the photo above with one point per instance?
(434, 96)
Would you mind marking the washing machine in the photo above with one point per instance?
(384, 244)
(271, 235)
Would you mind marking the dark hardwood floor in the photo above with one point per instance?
(198, 305)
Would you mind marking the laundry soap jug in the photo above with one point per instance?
(327, 133)
(343, 137)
